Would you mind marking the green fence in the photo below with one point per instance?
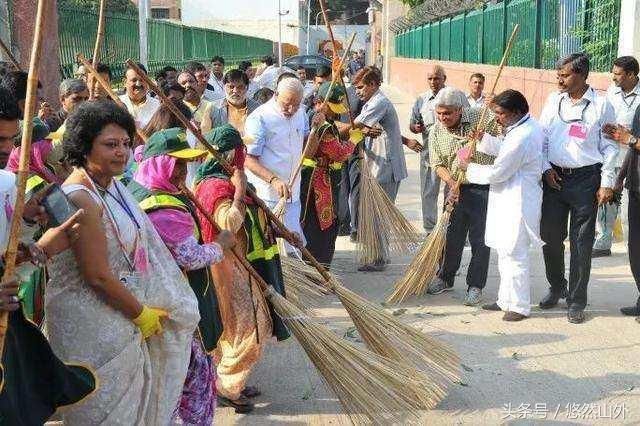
(168, 43)
(480, 35)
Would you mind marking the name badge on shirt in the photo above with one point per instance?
(578, 131)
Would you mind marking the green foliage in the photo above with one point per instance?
(118, 6)
(412, 3)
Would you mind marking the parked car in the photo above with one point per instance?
(309, 62)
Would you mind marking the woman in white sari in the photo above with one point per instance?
(117, 301)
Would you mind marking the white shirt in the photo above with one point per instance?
(624, 105)
(218, 89)
(478, 103)
(143, 112)
(515, 194)
(278, 142)
(308, 88)
(574, 133)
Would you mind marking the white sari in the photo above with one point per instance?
(140, 381)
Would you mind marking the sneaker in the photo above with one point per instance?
(473, 297)
(513, 316)
(438, 285)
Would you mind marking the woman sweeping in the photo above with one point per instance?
(321, 176)
(247, 319)
(117, 302)
(155, 185)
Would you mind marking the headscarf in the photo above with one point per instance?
(224, 139)
(40, 150)
(155, 174)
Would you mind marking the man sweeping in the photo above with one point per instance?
(515, 198)
(446, 137)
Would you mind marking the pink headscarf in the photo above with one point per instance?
(155, 173)
(40, 150)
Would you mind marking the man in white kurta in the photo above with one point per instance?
(276, 132)
(515, 199)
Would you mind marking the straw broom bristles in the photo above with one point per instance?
(361, 313)
(380, 223)
(304, 285)
(424, 266)
(371, 388)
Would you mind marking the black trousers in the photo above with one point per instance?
(634, 237)
(468, 218)
(575, 206)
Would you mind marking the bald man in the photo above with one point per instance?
(422, 118)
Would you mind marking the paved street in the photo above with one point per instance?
(541, 368)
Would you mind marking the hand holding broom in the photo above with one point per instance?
(424, 266)
(382, 332)
(313, 143)
(25, 154)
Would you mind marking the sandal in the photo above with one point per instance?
(251, 392)
(242, 405)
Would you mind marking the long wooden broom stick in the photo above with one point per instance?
(25, 155)
(9, 55)
(107, 88)
(382, 332)
(99, 39)
(424, 266)
(310, 149)
(424, 393)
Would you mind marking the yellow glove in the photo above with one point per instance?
(149, 321)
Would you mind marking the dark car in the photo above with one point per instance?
(309, 62)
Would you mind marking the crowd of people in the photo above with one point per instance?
(143, 284)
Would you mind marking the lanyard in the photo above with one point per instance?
(631, 95)
(573, 120)
(112, 219)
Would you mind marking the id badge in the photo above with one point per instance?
(129, 279)
(578, 131)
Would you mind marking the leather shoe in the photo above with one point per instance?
(513, 316)
(491, 307)
(551, 299)
(576, 316)
(631, 311)
(600, 253)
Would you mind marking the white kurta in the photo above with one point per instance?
(514, 207)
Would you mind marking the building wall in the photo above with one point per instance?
(535, 84)
(174, 7)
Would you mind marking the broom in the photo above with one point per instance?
(304, 286)
(424, 266)
(311, 148)
(368, 386)
(391, 336)
(25, 154)
(107, 88)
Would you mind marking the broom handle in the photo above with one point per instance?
(9, 55)
(99, 39)
(25, 155)
(286, 234)
(308, 149)
(99, 33)
(503, 63)
(107, 88)
(323, 8)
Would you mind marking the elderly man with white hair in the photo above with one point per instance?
(446, 137)
(276, 132)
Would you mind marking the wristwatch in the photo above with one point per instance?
(633, 141)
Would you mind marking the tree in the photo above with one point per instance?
(412, 3)
(118, 6)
